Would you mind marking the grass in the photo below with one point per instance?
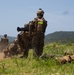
(32, 66)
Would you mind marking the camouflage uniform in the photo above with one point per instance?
(38, 26)
(24, 42)
(4, 42)
(35, 36)
(12, 49)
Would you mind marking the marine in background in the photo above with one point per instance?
(4, 42)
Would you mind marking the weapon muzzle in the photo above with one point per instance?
(18, 29)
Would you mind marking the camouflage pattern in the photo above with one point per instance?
(33, 37)
(72, 57)
(38, 38)
(38, 44)
(25, 28)
(12, 49)
(64, 59)
(24, 42)
(4, 42)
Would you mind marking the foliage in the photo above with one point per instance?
(61, 37)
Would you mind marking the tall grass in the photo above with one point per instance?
(32, 66)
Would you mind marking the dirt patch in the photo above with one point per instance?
(1, 56)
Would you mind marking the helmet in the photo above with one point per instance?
(5, 35)
(40, 11)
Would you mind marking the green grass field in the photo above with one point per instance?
(32, 66)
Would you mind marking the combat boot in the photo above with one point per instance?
(25, 54)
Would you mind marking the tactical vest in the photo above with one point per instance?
(4, 41)
(39, 25)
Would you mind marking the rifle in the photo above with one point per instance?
(25, 28)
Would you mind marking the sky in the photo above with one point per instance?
(15, 13)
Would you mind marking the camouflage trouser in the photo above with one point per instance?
(38, 44)
(3, 46)
(23, 41)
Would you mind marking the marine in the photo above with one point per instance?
(4, 42)
(38, 27)
(24, 40)
(12, 49)
(32, 35)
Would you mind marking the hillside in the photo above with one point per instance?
(61, 36)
